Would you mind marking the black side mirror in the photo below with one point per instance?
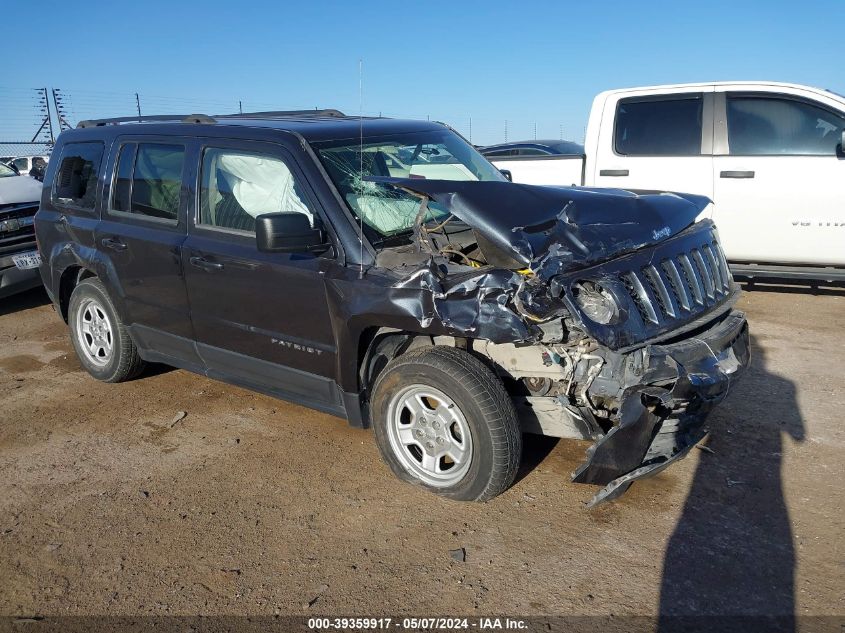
(288, 233)
(507, 174)
(841, 148)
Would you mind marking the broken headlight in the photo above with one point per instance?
(596, 302)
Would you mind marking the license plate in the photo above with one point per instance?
(25, 261)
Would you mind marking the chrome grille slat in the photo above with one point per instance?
(723, 266)
(659, 288)
(678, 284)
(705, 273)
(692, 278)
(718, 284)
(640, 296)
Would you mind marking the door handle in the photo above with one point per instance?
(114, 244)
(203, 263)
(736, 174)
(613, 172)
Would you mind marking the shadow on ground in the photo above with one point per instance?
(535, 449)
(732, 551)
(24, 301)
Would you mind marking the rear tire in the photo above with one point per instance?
(99, 337)
(443, 421)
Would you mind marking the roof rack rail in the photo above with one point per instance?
(329, 112)
(182, 118)
(206, 119)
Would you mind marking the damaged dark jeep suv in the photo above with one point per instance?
(386, 272)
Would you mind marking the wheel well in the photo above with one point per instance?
(377, 346)
(71, 277)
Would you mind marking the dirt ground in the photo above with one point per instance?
(250, 505)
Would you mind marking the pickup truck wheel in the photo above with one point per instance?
(99, 337)
(444, 421)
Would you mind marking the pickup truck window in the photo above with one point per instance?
(239, 186)
(768, 126)
(659, 127)
(435, 155)
(76, 179)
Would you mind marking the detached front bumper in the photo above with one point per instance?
(666, 392)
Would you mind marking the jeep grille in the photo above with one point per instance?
(681, 285)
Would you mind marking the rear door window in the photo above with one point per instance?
(148, 180)
(659, 127)
(75, 184)
(770, 125)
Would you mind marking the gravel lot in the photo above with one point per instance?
(250, 505)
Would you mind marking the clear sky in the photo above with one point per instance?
(524, 62)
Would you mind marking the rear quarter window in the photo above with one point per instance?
(75, 183)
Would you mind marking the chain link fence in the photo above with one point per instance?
(13, 149)
(26, 126)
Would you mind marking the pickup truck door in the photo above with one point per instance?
(261, 319)
(779, 179)
(657, 142)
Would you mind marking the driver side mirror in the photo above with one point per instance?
(507, 174)
(289, 233)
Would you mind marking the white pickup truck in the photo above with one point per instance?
(769, 155)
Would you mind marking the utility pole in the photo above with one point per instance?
(138, 105)
(49, 117)
(506, 130)
(240, 107)
(46, 120)
(535, 130)
(470, 130)
(58, 102)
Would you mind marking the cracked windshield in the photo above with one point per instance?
(426, 155)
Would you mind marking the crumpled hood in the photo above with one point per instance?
(574, 227)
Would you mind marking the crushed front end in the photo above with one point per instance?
(667, 362)
(658, 398)
(642, 382)
(609, 315)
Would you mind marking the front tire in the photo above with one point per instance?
(99, 337)
(443, 421)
